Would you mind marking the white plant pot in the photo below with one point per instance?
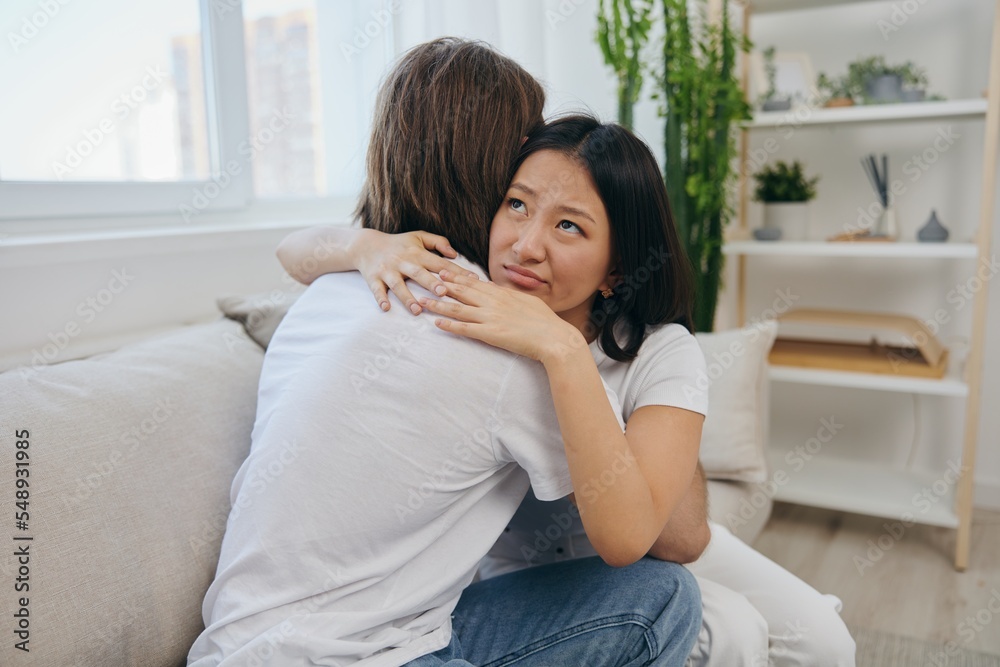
(792, 218)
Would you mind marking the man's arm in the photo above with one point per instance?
(686, 534)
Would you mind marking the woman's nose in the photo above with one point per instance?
(530, 243)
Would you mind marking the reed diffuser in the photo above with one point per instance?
(885, 226)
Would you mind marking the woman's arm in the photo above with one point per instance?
(686, 534)
(385, 260)
(309, 253)
(627, 485)
(629, 488)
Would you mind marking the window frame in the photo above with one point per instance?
(231, 185)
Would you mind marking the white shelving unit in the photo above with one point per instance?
(859, 249)
(855, 486)
(871, 113)
(865, 488)
(877, 381)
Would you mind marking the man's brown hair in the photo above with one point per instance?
(448, 122)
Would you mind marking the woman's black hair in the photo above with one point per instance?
(656, 285)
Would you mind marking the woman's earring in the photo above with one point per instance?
(607, 293)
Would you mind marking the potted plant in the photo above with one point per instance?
(771, 100)
(837, 91)
(914, 82)
(881, 83)
(785, 192)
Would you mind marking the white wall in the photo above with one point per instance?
(178, 275)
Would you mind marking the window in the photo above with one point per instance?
(116, 110)
(284, 95)
(307, 75)
(182, 108)
(109, 95)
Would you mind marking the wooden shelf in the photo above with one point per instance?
(772, 6)
(870, 113)
(864, 488)
(877, 381)
(847, 249)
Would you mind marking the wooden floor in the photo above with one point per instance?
(905, 585)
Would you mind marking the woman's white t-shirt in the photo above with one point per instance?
(666, 371)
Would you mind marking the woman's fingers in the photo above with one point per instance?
(436, 242)
(458, 311)
(439, 264)
(472, 283)
(424, 276)
(394, 279)
(460, 328)
(397, 283)
(378, 291)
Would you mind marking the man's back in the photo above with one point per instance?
(382, 469)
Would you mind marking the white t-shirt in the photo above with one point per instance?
(387, 457)
(665, 372)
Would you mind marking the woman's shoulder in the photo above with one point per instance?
(667, 370)
(660, 337)
(670, 350)
(669, 347)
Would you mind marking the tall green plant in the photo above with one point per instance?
(622, 30)
(702, 103)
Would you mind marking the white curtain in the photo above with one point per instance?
(360, 39)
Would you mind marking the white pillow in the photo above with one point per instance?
(735, 434)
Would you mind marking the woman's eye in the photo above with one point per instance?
(516, 204)
(568, 226)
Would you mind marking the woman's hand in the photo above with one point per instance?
(387, 260)
(504, 318)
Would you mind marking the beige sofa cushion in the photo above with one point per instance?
(735, 434)
(132, 454)
(260, 313)
(741, 507)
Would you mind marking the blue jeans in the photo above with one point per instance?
(577, 613)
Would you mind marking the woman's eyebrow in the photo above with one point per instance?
(523, 188)
(577, 211)
(566, 209)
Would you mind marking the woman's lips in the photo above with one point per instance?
(523, 278)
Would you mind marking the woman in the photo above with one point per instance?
(583, 214)
(786, 598)
(354, 530)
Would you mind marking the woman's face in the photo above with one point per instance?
(552, 238)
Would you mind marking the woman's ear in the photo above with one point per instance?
(613, 280)
(523, 139)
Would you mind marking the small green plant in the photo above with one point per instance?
(772, 73)
(913, 76)
(863, 70)
(784, 183)
(837, 87)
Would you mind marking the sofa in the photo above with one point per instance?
(129, 456)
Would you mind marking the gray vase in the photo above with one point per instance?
(885, 88)
(776, 104)
(933, 231)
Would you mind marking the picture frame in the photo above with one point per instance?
(795, 78)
